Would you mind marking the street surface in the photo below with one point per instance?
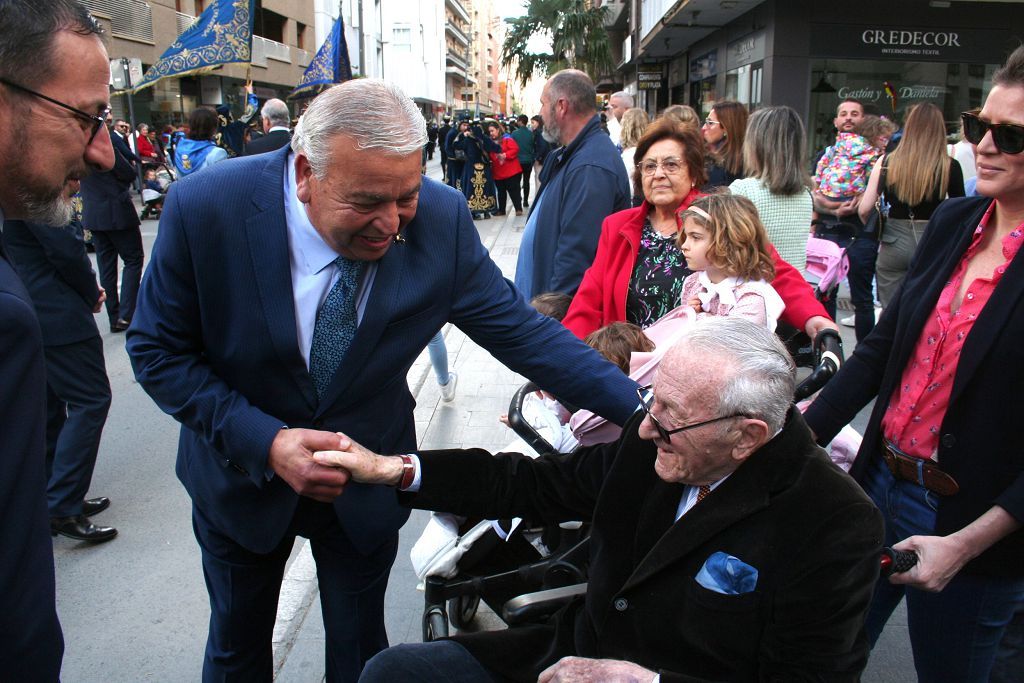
(135, 609)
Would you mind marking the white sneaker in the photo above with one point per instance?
(850, 320)
(448, 390)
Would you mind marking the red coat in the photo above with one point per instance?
(508, 168)
(144, 148)
(601, 298)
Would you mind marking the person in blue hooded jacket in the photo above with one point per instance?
(198, 150)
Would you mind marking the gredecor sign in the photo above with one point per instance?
(929, 44)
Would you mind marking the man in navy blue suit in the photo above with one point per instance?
(252, 263)
(54, 82)
(56, 271)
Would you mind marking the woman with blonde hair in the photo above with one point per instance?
(724, 131)
(682, 113)
(634, 123)
(914, 179)
(775, 155)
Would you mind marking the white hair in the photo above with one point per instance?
(276, 111)
(375, 114)
(626, 98)
(762, 378)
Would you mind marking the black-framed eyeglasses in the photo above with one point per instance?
(647, 400)
(1008, 137)
(97, 121)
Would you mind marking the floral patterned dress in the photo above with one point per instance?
(657, 277)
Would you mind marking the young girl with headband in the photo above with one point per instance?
(726, 245)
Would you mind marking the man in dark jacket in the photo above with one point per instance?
(58, 276)
(54, 82)
(724, 544)
(108, 211)
(275, 118)
(524, 138)
(582, 183)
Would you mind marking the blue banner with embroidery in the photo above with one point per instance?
(222, 34)
(331, 65)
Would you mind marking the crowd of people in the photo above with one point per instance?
(300, 270)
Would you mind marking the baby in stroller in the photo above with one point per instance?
(152, 193)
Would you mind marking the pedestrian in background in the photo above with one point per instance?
(506, 168)
(523, 136)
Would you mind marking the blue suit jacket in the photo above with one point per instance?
(214, 343)
(32, 644)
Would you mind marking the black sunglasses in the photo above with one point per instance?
(646, 397)
(1008, 137)
(96, 121)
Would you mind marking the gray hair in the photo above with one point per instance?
(276, 112)
(775, 150)
(626, 98)
(375, 114)
(763, 376)
(578, 90)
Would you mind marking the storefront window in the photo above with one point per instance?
(744, 85)
(952, 87)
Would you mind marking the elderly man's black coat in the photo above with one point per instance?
(807, 528)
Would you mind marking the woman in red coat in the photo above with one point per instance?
(638, 271)
(505, 168)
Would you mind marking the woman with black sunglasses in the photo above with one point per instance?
(942, 455)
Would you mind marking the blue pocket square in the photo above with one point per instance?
(728, 575)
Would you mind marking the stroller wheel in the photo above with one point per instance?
(462, 609)
(435, 624)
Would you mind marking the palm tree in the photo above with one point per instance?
(577, 36)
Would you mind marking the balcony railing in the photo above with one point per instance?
(651, 12)
(129, 19)
(456, 7)
(264, 49)
(457, 60)
(456, 32)
(302, 57)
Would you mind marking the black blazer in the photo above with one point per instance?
(32, 641)
(269, 142)
(808, 529)
(980, 441)
(58, 276)
(106, 196)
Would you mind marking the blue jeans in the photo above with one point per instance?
(442, 661)
(862, 252)
(438, 353)
(955, 634)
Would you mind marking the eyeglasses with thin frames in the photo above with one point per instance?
(97, 121)
(671, 166)
(1008, 137)
(647, 400)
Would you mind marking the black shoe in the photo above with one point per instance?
(119, 325)
(498, 213)
(80, 528)
(94, 506)
(526, 203)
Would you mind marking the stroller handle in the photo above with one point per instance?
(520, 426)
(828, 347)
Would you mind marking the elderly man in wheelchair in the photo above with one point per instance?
(724, 543)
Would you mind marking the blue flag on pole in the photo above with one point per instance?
(222, 34)
(331, 65)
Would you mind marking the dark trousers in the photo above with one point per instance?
(509, 187)
(862, 253)
(442, 661)
(77, 401)
(527, 174)
(244, 589)
(126, 244)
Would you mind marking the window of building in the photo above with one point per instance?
(401, 39)
(300, 35)
(270, 25)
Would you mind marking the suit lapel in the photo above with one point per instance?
(267, 237)
(376, 316)
(656, 516)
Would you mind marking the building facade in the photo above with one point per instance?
(809, 55)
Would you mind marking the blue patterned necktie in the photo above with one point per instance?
(335, 325)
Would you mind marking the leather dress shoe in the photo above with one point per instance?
(94, 506)
(80, 528)
(119, 325)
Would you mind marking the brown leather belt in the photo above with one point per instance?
(918, 470)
